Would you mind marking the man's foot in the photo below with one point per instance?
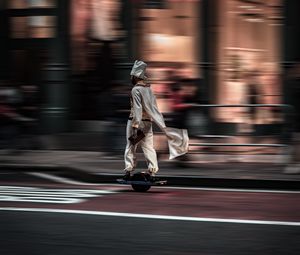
(153, 178)
(126, 176)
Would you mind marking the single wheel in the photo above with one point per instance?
(140, 188)
(143, 177)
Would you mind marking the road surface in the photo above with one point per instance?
(41, 213)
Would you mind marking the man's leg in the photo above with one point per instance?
(130, 157)
(130, 151)
(149, 151)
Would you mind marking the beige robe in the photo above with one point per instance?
(144, 106)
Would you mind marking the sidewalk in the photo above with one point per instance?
(96, 167)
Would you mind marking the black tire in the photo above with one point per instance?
(140, 188)
(140, 177)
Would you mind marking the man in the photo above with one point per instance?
(143, 112)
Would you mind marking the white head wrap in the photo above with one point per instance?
(138, 69)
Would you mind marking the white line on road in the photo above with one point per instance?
(44, 195)
(153, 216)
(60, 179)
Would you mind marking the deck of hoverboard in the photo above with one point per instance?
(140, 182)
(147, 183)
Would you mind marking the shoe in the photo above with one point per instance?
(126, 176)
(153, 178)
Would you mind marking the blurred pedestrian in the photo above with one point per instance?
(105, 36)
(292, 136)
(253, 94)
(182, 98)
(117, 113)
(29, 108)
(8, 125)
(105, 33)
(13, 121)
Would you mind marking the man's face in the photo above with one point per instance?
(133, 80)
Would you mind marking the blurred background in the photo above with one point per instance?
(64, 72)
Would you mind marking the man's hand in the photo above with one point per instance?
(134, 132)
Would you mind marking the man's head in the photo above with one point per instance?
(138, 71)
(135, 80)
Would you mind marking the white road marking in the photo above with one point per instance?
(44, 195)
(60, 179)
(153, 216)
(32, 199)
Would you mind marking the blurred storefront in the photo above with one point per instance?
(79, 54)
(249, 59)
(35, 49)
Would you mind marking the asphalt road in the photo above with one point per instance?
(42, 214)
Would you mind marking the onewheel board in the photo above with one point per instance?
(141, 182)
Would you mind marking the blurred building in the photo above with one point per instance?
(77, 52)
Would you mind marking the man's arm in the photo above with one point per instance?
(137, 108)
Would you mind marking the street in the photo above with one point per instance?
(45, 214)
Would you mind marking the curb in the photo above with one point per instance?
(184, 181)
